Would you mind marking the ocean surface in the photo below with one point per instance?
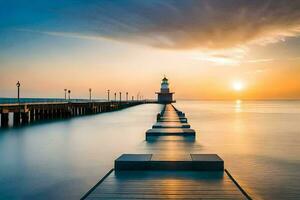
(258, 140)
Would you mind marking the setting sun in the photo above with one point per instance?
(237, 85)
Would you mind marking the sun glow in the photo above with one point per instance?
(238, 85)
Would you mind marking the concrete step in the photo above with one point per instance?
(170, 131)
(189, 162)
(183, 120)
(171, 125)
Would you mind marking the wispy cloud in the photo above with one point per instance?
(176, 24)
(234, 57)
(231, 56)
(63, 34)
(260, 60)
(263, 60)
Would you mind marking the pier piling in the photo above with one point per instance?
(4, 119)
(16, 118)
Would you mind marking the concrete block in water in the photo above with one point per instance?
(170, 131)
(188, 162)
(171, 125)
(207, 162)
(132, 162)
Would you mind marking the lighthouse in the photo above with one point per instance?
(165, 96)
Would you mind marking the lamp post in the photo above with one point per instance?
(90, 90)
(65, 93)
(132, 98)
(108, 95)
(126, 96)
(18, 86)
(115, 96)
(120, 93)
(69, 93)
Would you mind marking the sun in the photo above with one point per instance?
(238, 85)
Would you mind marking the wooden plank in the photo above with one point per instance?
(166, 185)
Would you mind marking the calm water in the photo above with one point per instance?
(259, 141)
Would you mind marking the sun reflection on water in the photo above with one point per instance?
(238, 106)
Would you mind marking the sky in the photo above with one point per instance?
(208, 49)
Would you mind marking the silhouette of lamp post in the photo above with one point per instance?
(126, 96)
(115, 96)
(65, 93)
(69, 93)
(120, 93)
(108, 95)
(90, 90)
(18, 86)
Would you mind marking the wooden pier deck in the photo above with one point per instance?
(166, 185)
(155, 176)
(168, 176)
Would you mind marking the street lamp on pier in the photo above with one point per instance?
(120, 93)
(108, 95)
(18, 86)
(126, 96)
(90, 90)
(115, 96)
(65, 93)
(69, 93)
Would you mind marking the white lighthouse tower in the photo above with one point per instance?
(165, 96)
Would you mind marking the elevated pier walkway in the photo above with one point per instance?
(29, 112)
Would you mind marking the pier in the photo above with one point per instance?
(170, 122)
(25, 113)
(165, 176)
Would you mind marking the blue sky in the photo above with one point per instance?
(191, 39)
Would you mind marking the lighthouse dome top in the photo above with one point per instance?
(165, 84)
(165, 81)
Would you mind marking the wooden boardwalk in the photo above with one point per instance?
(168, 176)
(166, 185)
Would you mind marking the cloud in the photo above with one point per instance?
(227, 57)
(260, 60)
(62, 34)
(263, 60)
(189, 24)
